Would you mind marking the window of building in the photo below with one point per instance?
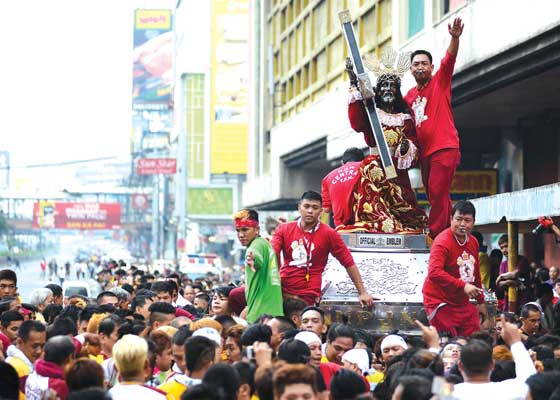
(415, 17)
(266, 155)
(195, 117)
(444, 7)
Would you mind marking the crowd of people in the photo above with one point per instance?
(163, 335)
(159, 336)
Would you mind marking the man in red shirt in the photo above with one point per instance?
(306, 244)
(454, 277)
(338, 186)
(430, 102)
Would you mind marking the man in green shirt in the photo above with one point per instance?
(262, 280)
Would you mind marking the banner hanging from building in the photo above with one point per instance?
(468, 185)
(230, 86)
(70, 215)
(153, 60)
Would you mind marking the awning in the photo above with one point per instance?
(284, 204)
(524, 206)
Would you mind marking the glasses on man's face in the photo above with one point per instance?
(4, 286)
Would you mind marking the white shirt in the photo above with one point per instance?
(127, 391)
(509, 389)
(181, 301)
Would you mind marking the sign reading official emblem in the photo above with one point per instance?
(383, 241)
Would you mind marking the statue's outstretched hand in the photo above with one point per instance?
(350, 69)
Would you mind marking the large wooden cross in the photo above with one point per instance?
(368, 94)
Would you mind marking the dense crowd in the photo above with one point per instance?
(154, 336)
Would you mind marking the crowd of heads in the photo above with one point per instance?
(150, 328)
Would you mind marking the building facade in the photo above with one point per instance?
(504, 90)
(210, 110)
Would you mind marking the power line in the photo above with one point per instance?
(60, 164)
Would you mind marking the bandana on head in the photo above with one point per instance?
(242, 220)
(393, 340)
(246, 223)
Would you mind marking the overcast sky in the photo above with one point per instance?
(65, 78)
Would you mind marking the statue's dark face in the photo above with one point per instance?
(387, 92)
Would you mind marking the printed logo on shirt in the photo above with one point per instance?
(299, 253)
(419, 109)
(466, 267)
(345, 174)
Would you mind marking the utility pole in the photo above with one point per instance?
(155, 218)
(179, 115)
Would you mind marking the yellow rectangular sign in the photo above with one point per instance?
(152, 19)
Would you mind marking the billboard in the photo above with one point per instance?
(468, 184)
(210, 201)
(229, 86)
(154, 166)
(71, 215)
(153, 60)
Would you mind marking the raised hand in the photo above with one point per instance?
(429, 334)
(456, 29)
(510, 333)
(350, 69)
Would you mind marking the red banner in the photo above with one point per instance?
(153, 166)
(56, 215)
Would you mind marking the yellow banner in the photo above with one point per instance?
(468, 184)
(230, 87)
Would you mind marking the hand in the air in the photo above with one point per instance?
(429, 334)
(456, 29)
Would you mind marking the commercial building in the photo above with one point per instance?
(505, 96)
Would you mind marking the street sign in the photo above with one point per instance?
(155, 166)
(139, 201)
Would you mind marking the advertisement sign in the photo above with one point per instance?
(154, 166)
(58, 215)
(230, 86)
(153, 59)
(216, 202)
(468, 184)
(140, 201)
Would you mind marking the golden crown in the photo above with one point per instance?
(390, 63)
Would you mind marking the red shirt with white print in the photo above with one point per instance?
(451, 267)
(431, 107)
(336, 189)
(306, 253)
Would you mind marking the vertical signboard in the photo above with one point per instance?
(230, 87)
(152, 77)
(153, 60)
